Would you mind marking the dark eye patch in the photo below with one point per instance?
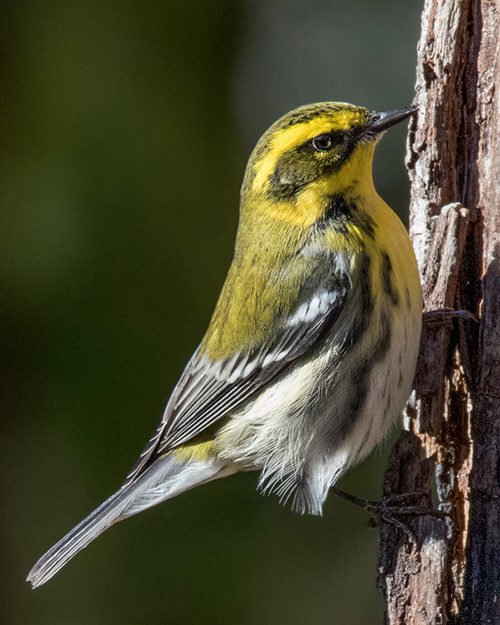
(302, 164)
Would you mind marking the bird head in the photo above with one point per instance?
(317, 150)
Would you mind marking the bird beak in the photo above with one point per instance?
(380, 122)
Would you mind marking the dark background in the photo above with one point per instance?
(126, 127)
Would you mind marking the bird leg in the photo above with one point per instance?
(387, 510)
(445, 314)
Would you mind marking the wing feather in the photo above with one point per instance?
(209, 391)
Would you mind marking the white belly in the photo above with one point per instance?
(307, 428)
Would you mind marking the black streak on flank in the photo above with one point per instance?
(387, 282)
(340, 214)
(384, 338)
(357, 381)
(408, 301)
(360, 378)
(364, 305)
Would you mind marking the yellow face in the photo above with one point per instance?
(310, 143)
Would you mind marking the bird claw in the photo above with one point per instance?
(445, 314)
(385, 510)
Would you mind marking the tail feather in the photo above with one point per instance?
(165, 479)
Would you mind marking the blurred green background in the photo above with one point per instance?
(126, 127)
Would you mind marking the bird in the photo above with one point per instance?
(311, 351)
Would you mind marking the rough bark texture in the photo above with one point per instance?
(453, 423)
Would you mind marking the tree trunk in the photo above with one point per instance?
(450, 450)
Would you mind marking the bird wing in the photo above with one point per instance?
(208, 391)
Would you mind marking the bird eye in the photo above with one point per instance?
(323, 143)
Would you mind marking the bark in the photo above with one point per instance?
(450, 451)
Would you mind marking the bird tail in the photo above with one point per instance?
(164, 479)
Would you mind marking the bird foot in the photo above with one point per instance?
(445, 314)
(390, 508)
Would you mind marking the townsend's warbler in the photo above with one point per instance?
(311, 351)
